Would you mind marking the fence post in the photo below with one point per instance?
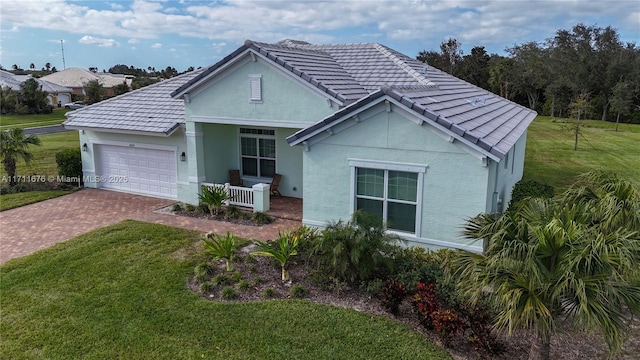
(227, 189)
(261, 195)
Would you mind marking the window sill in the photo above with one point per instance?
(256, 180)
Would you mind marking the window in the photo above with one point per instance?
(258, 152)
(255, 88)
(390, 192)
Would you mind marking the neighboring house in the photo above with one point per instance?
(76, 79)
(349, 127)
(56, 94)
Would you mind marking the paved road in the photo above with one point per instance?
(41, 130)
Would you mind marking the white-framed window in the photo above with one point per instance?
(391, 192)
(255, 88)
(258, 152)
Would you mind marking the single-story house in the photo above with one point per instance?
(77, 79)
(56, 94)
(352, 126)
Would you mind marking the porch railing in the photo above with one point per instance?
(241, 196)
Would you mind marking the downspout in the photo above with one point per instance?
(494, 203)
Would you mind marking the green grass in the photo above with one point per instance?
(120, 292)
(550, 157)
(27, 121)
(44, 156)
(10, 201)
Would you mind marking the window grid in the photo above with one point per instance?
(395, 206)
(257, 152)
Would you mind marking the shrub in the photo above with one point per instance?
(425, 303)
(448, 325)
(261, 218)
(176, 207)
(478, 319)
(373, 287)
(243, 285)
(213, 197)
(236, 276)
(298, 291)
(257, 280)
(392, 292)
(221, 247)
(414, 265)
(355, 251)
(206, 287)
(234, 212)
(221, 279)
(530, 188)
(228, 293)
(69, 163)
(268, 293)
(189, 207)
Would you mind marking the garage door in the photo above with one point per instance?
(138, 170)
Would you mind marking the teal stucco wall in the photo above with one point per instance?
(226, 96)
(455, 182)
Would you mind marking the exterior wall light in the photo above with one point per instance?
(85, 147)
(183, 156)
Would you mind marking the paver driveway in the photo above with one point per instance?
(33, 227)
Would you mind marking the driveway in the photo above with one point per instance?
(27, 229)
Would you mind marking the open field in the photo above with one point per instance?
(44, 156)
(550, 157)
(121, 292)
(27, 121)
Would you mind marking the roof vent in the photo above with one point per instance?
(425, 68)
(477, 101)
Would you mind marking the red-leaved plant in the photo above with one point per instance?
(392, 293)
(448, 325)
(425, 303)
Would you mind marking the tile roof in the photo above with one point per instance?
(77, 78)
(150, 110)
(12, 81)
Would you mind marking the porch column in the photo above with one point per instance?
(195, 159)
(261, 196)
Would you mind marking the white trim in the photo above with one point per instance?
(196, 179)
(440, 243)
(393, 166)
(184, 183)
(315, 223)
(387, 165)
(251, 122)
(255, 88)
(134, 144)
(117, 131)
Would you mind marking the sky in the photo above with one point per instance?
(184, 33)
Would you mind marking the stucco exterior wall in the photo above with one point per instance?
(455, 182)
(226, 96)
(504, 175)
(175, 142)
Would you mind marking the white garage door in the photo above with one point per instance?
(139, 170)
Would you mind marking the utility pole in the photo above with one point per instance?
(64, 66)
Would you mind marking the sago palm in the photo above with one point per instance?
(13, 147)
(221, 247)
(563, 258)
(282, 249)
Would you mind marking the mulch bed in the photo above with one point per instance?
(565, 345)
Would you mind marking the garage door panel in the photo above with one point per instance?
(148, 171)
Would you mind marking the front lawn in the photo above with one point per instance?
(121, 292)
(10, 201)
(33, 120)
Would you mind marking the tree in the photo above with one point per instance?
(433, 58)
(32, 66)
(574, 257)
(121, 88)
(621, 100)
(451, 49)
(500, 75)
(579, 108)
(94, 92)
(474, 67)
(530, 73)
(47, 67)
(8, 100)
(13, 147)
(33, 97)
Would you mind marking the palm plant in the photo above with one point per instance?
(572, 257)
(281, 250)
(220, 247)
(13, 146)
(213, 197)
